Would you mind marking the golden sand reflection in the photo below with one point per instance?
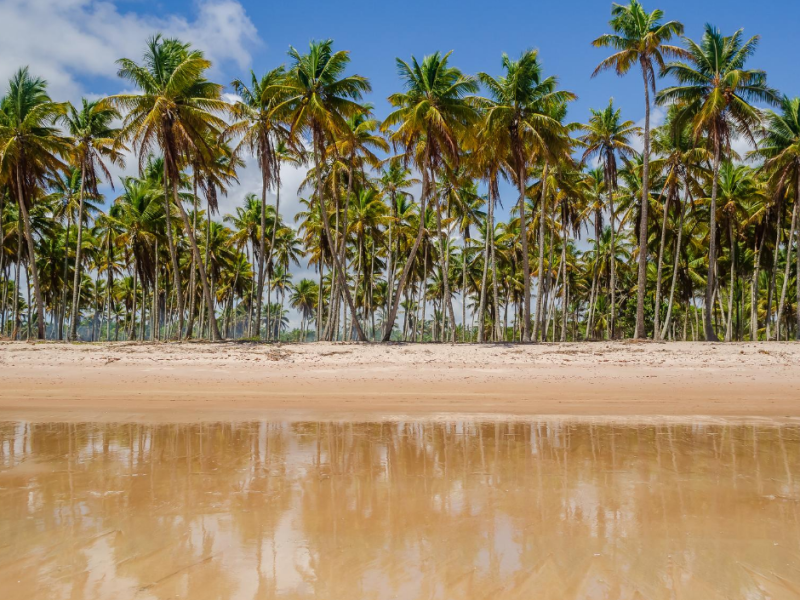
(450, 510)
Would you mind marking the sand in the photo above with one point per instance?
(199, 380)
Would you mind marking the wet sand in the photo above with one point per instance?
(544, 509)
(204, 381)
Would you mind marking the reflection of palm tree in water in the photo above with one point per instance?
(316, 509)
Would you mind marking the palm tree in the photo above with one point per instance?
(431, 116)
(320, 99)
(488, 162)
(94, 141)
(262, 129)
(523, 109)
(640, 37)
(176, 111)
(738, 185)
(780, 149)
(715, 92)
(395, 180)
(30, 150)
(678, 161)
(606, 138)
(139, 214)
(304, 299)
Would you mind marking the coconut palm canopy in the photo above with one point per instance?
(466, 207)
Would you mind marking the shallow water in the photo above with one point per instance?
(450, 510)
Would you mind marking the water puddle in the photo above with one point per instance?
(425, 509)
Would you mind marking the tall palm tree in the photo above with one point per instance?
(679, 162)
(320, 99)
(394, 181)
(94, 142)
(522, 109)
(640, 37)
(431, 117)
(489, 163)
(176, 111)
(304, 299)
(780, 149)
(606, 137)
(262, 129)
(30, 150)
(716, 93)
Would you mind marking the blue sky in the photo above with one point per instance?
(74, 43)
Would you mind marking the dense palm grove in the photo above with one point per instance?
(684, 240)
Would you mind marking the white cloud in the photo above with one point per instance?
(67, 40)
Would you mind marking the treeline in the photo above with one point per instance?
(686, 239)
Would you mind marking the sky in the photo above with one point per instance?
(74, 44)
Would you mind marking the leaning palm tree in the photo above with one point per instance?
(640, 37)
(606, 137)
(716, 93)
(94, 142)
(394, 181)
(320, 99)
(261, 128)
(176, 111)
(30, 151)
(780, 149)
(432, 116)
(523, 109)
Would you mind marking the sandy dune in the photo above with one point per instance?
(196, 380)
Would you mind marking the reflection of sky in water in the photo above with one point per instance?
(547, 509)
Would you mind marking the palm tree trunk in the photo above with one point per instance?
(319, 299)
(675, 263)
(595, 276)
(17, 275)
(213, 328)
(708, 326)
(390, 262)
(754, 291)
(495, 291)
(540, 290)
(464, 291)
(389, 326)
(143, 320)
(28, 285)
(173, 255)
(526, 267)
(732, 290)
(444, 259)
(34, 271)
(193, 273)
(154, 328)
(785, 285)
(657, 303)
(590, 316)
(564, 292)
(642, 278)
(327, 227)
(613, 282)
(76, 282)
(132, 334)
(486, 254)
(63, 315)
(422, 296)
(109, 285)
(261, 252)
